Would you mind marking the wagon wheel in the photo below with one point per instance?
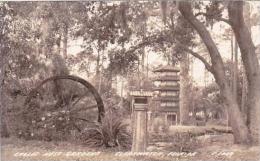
(63, 105)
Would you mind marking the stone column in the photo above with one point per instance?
(139, 128)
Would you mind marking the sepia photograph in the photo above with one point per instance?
(141, 80)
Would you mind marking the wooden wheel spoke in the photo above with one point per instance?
(79, 130)
(74, 103)
(82, 119)
(83, 108)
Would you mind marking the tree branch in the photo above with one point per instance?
(216, 59)
(213, 17)
(222, 19)
(160, 38)
(201, 58)
(150, 40)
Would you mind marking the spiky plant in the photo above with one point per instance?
(112, 132)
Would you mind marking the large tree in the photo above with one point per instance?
(250, 62)
(5, 20)
(241, 132)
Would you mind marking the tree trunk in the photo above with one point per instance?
(184, 90)
(58, 45)
(251, 64)
(244, 107)
(121, 93)
(65, 41)
(147, 66)
(235, 70)
(3, 60)
(4, 56)
(98, 76)
(142, 68)
(98, 63)
(238, 125)
(143, 29)
(232, 61)
(46, 37)
(100, 73)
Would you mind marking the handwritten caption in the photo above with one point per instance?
(120, 154)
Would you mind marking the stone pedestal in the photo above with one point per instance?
(140, 136)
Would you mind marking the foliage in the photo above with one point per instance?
(209, 101)
(5, 21)
(181, 141)
(185, 142)
(122, 63)
(112, 132)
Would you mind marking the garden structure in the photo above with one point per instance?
(166, 95)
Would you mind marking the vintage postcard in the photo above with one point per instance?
(166, 80)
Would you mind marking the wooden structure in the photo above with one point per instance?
(167, 94)
(139, 120)
(64, 104)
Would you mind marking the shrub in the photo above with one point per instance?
(158, 123)
(185, 142)
(112, 132)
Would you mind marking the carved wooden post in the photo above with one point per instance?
(140, 128)
(139, 119)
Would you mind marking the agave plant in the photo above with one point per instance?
(112, 132)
